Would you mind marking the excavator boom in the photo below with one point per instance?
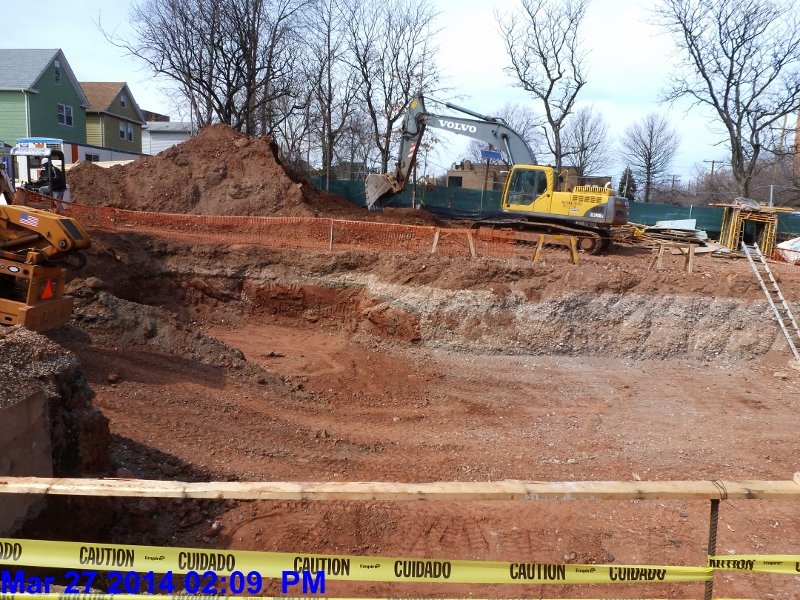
(491, 130)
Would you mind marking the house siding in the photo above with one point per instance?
(44, 108)
(13, 121)
(107, 128)
(155, 142)
(128, 112)
(112, 139)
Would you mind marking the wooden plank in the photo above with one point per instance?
(435, 241)
(573, 249)
(697, 250)
(689, 263)
(658, 258)
(537, 255)
(471, 240)
(402, 492)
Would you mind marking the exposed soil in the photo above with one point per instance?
(217, 172)
(356, 366)
(225, 361)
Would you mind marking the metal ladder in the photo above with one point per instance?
(775, 297)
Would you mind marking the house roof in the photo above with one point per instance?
(169, 126)
(101, 95)
(22, 68)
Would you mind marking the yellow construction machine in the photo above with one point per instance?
(36, 248)
(530, 199)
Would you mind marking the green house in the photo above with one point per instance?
(40, 97)
(113, 119)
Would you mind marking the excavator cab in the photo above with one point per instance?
(525, 186)
(40, 171)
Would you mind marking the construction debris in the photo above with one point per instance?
(788, 251)
(652, 235)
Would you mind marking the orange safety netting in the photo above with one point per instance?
(301, 232)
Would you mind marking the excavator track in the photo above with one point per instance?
(590, 240)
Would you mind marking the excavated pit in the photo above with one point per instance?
(221, 361)
(230, 362)
(608, 306)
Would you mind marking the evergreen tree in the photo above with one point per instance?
(627, 185)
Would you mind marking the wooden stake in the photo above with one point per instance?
(435, 241)
(537, 256)
(471, 240)
(689, 263)
(573, 249)
(658, 259)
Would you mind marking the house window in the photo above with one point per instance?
(92, 157)
(453, 181)
(57, 70)
(65, 114)
(130, 132)
(123, 100)
(121, 130)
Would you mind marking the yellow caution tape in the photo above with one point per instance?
(143, 559)
(759, 563)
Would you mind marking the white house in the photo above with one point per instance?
(157, 136)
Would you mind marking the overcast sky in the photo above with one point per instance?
(628, 63)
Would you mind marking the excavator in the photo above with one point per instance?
(530, 199)
(36, 248)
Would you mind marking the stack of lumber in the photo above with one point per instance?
(651, 235)
(684, 236)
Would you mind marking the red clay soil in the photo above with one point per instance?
(217, 172)
(257, 364)
(333, 401)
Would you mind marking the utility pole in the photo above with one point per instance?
(713, 162)
(674, 178)
(775, 160)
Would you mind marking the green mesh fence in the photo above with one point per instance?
(462, 203)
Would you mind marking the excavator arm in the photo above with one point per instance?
(40, 233)
(491, 130)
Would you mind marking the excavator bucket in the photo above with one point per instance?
(376, 187)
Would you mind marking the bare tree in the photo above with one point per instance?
(772, 182)
(741, 58)
(355, 146)
(230, 59)
(586, 141)
(391, 46)
(543, 45)
(649, 147)
(333, 79)
(293, 133)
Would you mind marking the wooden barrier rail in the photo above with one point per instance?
(435, 491)
(403, 492)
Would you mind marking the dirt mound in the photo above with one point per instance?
(217, 172)
(114, 322)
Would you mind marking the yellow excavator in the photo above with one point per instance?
(36, 248)
(530, 201)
